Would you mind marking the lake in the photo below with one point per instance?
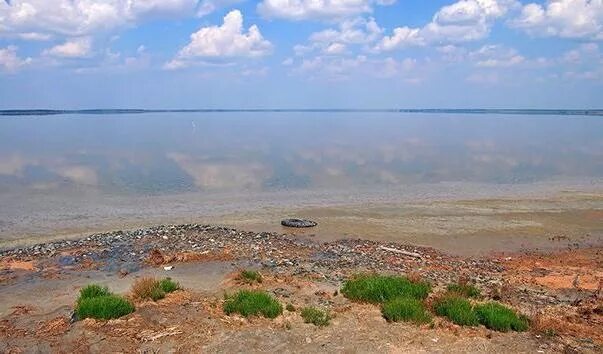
(73, 173)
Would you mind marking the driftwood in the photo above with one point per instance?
(404, 253)
(149, 335)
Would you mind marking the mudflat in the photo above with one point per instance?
(559, 291)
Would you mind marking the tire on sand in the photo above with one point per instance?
(298, 223)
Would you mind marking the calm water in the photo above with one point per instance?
(232, 152)
(92, 170)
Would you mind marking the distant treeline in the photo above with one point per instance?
(568, 112)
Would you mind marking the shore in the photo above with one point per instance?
(560, 291)
(457, 218)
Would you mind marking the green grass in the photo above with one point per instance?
(315, 316)
(500, 318)
(466, 290)
(253, 303)
(250, 276)
(457, 309)
(103, 307)
(381, 288)
(98, 302)
(93, 290)
(168, 285)
(157, 293)
(405, 309)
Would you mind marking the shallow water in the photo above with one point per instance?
(85, 171)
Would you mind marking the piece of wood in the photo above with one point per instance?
(404, 253)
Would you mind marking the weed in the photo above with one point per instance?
(500, 318)
(93, 290)
(315, 316)
(457, 309)
(405, 309)
(466, 290)
(168, 285)
(375, 288)
(290, 308)
(250, 276)
(147, 288)
(103, 307)
(252, 303)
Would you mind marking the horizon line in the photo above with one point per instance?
(99, 111)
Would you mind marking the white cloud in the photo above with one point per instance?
(335, 48)
(9, 61)
(317, 9)
(562, 18)
(206, 7)
(390, 67)
(84, 17)
(74, 48)
(226, 41)
(585, 62)
(357, 31)
(402, 37)
(452, 53)
(496, 56)
(462, 21)
(34, 36)
(332, 41)
(334, 68)
(329, 68)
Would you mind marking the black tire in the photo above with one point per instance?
(298, 223)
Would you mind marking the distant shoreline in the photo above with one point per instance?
(563, 112)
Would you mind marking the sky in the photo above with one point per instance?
(74, 54)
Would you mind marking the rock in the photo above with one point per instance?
(67, 260)
(299, 223)
(168, 268)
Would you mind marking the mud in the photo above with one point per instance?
(37, 301)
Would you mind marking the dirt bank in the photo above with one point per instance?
(39, 285)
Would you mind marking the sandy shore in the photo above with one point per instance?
(559, 291)
(536, 248)
(455, 218)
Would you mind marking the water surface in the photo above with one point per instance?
(77, 170)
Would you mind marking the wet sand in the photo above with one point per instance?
(467, 219)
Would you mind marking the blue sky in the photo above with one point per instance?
(301, 54)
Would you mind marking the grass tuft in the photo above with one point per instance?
(405, 309)
(250, 276)
(466, 290)
(98, 302)
(500, 318)
(168, 285)
(457, 309)
(315, 316)
(93, 290)
(252, 303)
(375, 288)
(103, 307)
(149, 288)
